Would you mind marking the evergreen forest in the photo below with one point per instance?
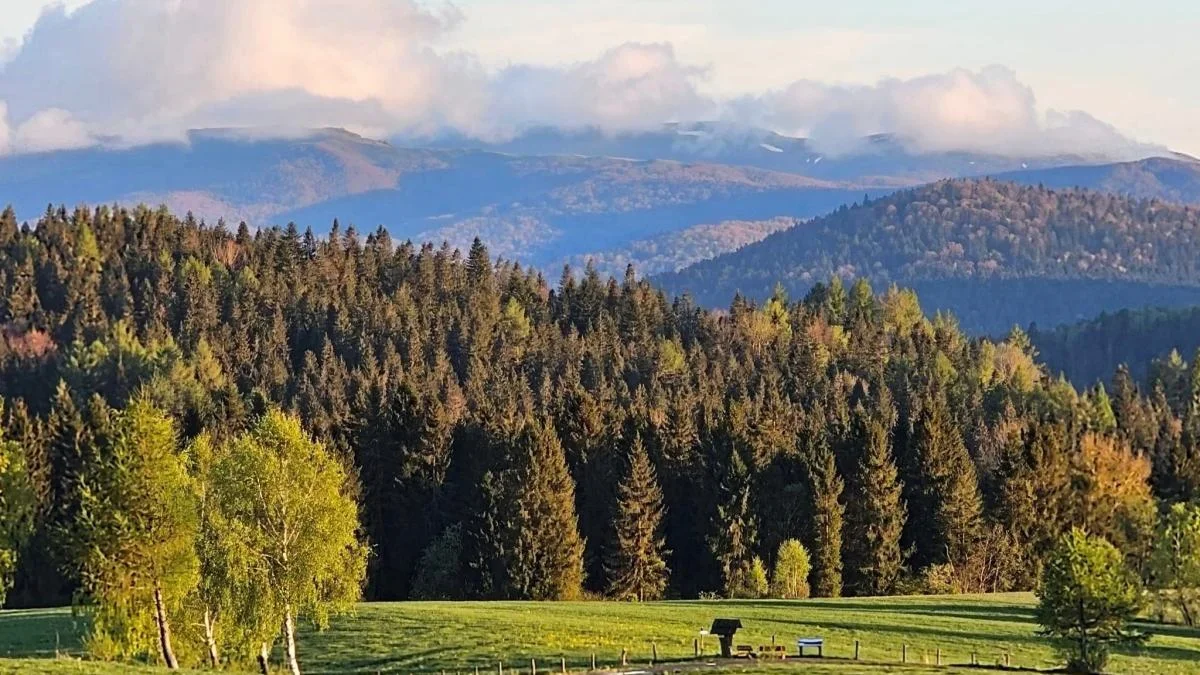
(505, 436)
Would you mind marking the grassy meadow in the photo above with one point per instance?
(458, 637)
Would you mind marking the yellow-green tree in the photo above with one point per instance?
(133, 542)
(18, 503)
(1087, 597)
(289, 502)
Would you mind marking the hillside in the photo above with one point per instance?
(1172, 179)
(994, 253)
(1090, 351)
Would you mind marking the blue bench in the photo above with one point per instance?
(810, 643)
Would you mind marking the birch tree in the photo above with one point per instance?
(287, 500)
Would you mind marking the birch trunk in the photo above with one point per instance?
(264, 659)
(214, 659)
(289, 636)
(164, 630)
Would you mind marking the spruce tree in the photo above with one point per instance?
(947, 507)
(637, 567)
(826, 490)
(548, 562)
(875, 514)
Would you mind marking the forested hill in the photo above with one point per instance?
(510, 439)
(1090, 351)
(996, 254)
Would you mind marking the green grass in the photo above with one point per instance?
(457, 637)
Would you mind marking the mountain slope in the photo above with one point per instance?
(995, 253)
(1172, 179)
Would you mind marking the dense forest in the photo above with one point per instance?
(995, 254)
(512, 439)
(1089, 351)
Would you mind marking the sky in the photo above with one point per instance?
(1023, 74)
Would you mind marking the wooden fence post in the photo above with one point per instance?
(500, 668)
(624, 658)
(974, 659)
(1007, 659)
(856, 650)
(904, 654)
(939, 656)
(696, 647)
(653, 653)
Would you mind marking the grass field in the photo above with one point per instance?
(458, 637)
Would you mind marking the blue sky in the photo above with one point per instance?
(1130, 64)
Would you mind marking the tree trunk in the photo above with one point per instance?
(210, 640)
(164, 630)
(289, 636)
(264, 659)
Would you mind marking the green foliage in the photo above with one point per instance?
(1175, 565)
(439, 573)
(1086, 599)
(133, 540)
(459, 394)
(828, 513)
(284, 503)
(18, 507)
(637, 566)
(875, 515)
(789, 580)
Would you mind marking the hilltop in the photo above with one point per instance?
(995, 253)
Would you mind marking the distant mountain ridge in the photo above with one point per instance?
(657, 200)
(881, 160)
(997, 254)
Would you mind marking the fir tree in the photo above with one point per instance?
(637, 566)
(948, 505)
(875, 515)
(826, 491)
(548, 560)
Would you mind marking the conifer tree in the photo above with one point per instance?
(826, 491)
(548, 562)
(947, 505)
(637, 564)
(875, 514)
(734, 527)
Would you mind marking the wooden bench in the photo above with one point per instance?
(809, 643)
(772, 652)
(744, 652)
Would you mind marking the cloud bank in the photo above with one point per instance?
(131, 71)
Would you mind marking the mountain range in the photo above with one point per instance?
(661, 200)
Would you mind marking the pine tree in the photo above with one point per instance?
(875, 515)
(637, 566)
(826, 491)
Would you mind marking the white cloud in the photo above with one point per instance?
(631, 86)
(51, 129)
(988, 110)
(138, 70)
(4, 132)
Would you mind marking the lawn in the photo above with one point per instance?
(459, 637)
